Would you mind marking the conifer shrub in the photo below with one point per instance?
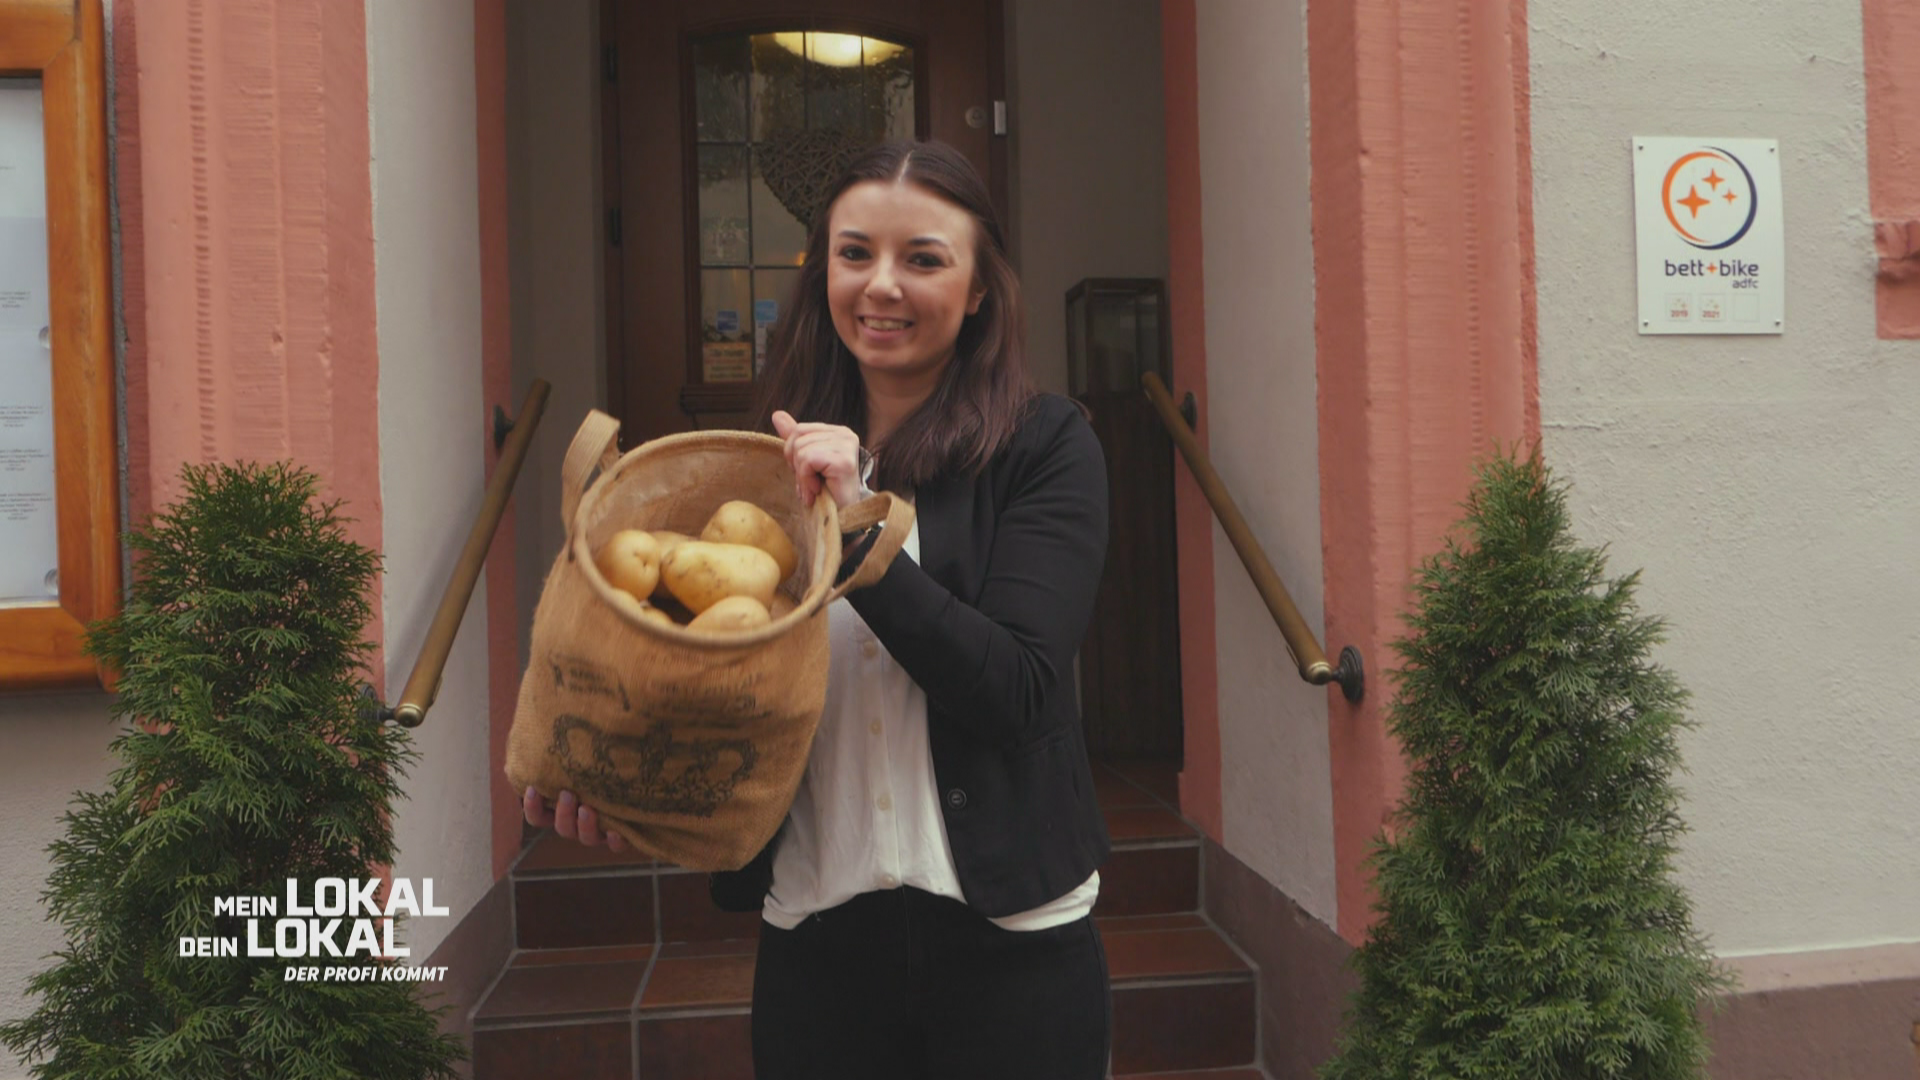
(244, 759)
(1529, 925)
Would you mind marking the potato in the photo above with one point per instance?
(628, 605)
(734, 615)
(631, 562)
(701, 574)
(741, 522)
(668, 540)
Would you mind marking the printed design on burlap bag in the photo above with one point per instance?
(655, 772)
(732, 707)
(573, 675)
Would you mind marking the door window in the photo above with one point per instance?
(777, 117)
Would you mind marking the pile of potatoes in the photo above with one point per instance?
(726, 581)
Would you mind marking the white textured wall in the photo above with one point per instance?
(556, 250)
(1087, 129)
(1769, 486)
(56, 746)
(427, 265)
(1254, 172)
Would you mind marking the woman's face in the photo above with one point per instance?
(900, 277)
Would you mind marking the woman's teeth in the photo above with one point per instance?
(886, 324)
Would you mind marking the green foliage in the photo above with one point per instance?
(1529, 925)
(246, 762)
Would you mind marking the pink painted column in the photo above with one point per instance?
(496, 365)
(1200, 797)
(246, 216)
(1893, 159)
(1424, 330)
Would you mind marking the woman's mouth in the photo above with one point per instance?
(884, 326)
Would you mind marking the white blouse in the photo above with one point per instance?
(867, 816)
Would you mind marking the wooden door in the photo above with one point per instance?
(1130, 661)
(723, 117)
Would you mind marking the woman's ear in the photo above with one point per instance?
(974, 298)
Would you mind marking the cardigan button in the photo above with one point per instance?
(957, 799)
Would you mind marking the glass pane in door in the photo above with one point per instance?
(779, 236)
(779, 85)
(836, 83)
(772, 292)
(726, 333)
(720, 68)
(890, 74)
(725, 227)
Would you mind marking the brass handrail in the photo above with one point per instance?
(424, 684)
(1301, 643)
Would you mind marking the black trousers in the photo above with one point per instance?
(905, 985)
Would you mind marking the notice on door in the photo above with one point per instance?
(727, 361)
(29, 530)
(1710, 235)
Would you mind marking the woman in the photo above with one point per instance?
(926, 908)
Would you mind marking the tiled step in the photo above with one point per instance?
(623, 967)
(1182, 996)
(679, 1010)
(564, 901)
(1155, 865)
(1182, 999)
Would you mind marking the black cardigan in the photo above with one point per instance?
(988, 623)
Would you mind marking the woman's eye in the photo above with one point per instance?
(928, 261)
(853, 251)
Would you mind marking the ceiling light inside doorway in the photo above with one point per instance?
(837, 50)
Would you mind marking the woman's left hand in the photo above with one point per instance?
(821, 456)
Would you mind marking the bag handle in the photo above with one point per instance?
(596, 444)
(895, 516)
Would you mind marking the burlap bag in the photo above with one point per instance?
(691, 745)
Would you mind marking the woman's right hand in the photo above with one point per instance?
(570, 818)
(823, 457)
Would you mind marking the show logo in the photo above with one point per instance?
(338, 918)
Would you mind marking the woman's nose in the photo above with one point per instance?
(883, 283)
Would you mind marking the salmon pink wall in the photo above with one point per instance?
(246, 223)
(1424, 325)
(1200, 797)
(496, 367)
(1892, 29)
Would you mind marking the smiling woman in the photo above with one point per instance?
(926, 909)
(945, 826)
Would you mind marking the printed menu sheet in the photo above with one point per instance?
(29, 532)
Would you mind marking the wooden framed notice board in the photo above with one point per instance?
(59, 495)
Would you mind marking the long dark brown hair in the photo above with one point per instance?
(985, 390)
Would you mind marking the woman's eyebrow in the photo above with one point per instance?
(918, 241)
